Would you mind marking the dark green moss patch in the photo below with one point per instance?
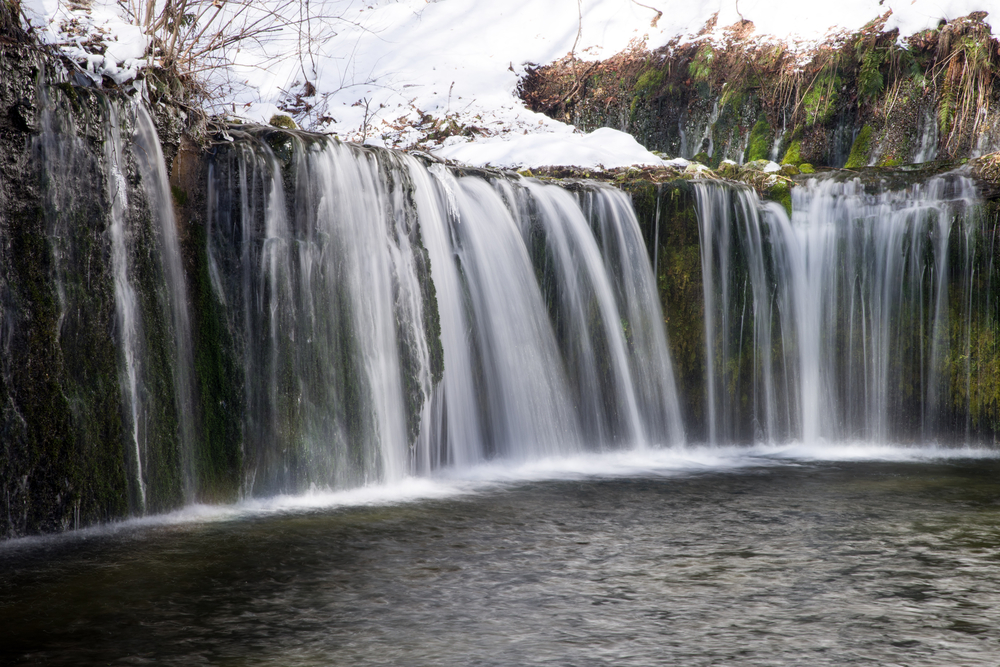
(860, 149)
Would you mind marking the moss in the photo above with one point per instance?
(728, 170)
(282, 121)
(761, 137)
(61, 438)
(69, 90)
(700, 67)
(649, 82)
(806, 168)
(793, 155)
(180, 196)
(860, 149)
(781, 192)
(703, 158)
(820, 100)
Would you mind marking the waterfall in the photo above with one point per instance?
(324, 316)
(126, 303)
(149, 156)
(397, 317)
(852, 327)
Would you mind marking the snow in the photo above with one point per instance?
(396, 72)
(813, 21)
(603, 148)
(70, 27)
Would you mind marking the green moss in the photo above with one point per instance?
(282, 121)
(703, 159)
(61, 435)
(649, 82)
(69, 90)
(180, 195)
(733, 97)
(781, 192)
(728, 170)
(860, 149)
(794, 153)
(761, 137)
(666, 213)
(820, 101)
(806, 168)
(700, 67)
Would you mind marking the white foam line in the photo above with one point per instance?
(867, 451)
(451, 483)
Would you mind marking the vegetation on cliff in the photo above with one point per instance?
(931, 95)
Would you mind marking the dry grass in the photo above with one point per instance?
(195, 40)
(963, 72)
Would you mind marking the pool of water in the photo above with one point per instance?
(770, 562)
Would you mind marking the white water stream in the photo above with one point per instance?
(849, 302)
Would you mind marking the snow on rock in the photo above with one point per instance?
(441, 73)
(603, 148)
(810, 22)
(73, 26)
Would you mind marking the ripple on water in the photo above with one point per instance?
(761, 561)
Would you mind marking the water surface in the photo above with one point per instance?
(775, 561)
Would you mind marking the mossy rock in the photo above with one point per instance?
(806, 168)
(860, 149)
(282, 121)
(761, 137)
(703, 158)
(820, 101)
(793, 155)
(757, 165)
(700, 67)
(728, 169)
(650, 82)
(781, 192)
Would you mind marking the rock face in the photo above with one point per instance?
(62, 462)
(89, 416)
(160, 313)
(865, 101)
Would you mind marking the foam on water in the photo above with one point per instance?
(497, 475)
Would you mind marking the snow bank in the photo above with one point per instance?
(604, 148)
(395, 72)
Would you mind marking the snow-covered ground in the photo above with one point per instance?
(392, 72)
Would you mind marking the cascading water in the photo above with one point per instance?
(149, 156)
(127, 306)
(350, 296)
(344, 315)
(842, 313)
